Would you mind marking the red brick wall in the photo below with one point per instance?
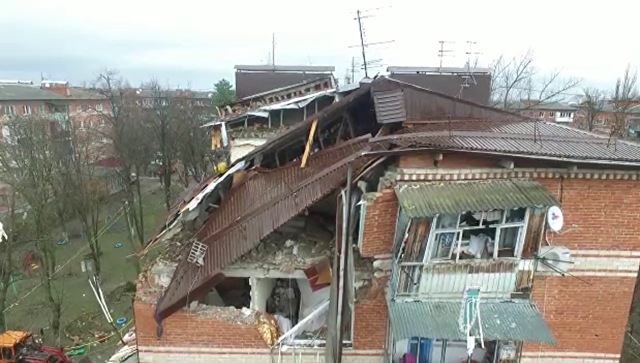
(380, 224)
(18, 105)
(584, 317)
(370, 323)
(184, 329)
(600, 211)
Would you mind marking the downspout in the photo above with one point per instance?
(346, 206)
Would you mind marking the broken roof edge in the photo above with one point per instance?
(444, 95)
(279, 89)
(303, 127)
(168, 305)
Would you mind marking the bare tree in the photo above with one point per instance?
(591, 108)
(624, 97)
(193, 145)
(11, 226)
(130, 139)
(81, 184)
(27, 164)
(160, 116)
(517, 79)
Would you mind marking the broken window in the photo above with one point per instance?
(474, 235)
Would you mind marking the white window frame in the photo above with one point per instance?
(541, 114)
(434, 231)
(552, 114)
(99, 106)
(26, 109)
(10, 110)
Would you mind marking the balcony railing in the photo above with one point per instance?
(496, 279)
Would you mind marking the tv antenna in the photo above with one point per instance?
(363, 14)
(469, 77)
(443, 52)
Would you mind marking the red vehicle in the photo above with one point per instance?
(21, 347)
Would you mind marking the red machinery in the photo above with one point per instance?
(21, 347)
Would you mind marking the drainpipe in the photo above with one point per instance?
(443, 351)
(346, 206)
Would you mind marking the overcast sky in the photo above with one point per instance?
(195, 43)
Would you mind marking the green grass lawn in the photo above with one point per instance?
(81, 314)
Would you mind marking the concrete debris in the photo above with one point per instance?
(162, 273)
(227, 314)
(298, 244)
(384, 265)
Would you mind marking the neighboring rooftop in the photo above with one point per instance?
(256, 79)
(272, 68)
(22, 92)
(473, 84)
(438, 70)
(536, 105)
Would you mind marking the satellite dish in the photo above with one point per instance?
(555, 219)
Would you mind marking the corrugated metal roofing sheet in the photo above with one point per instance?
(390, 106)
(517, 138)
(253, 209)
(508, 320)
(428, 199)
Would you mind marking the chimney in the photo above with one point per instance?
(59, 87)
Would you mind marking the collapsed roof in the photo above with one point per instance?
(272, 184)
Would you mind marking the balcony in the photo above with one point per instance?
(448, 280)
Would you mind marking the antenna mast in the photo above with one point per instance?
(366, 65)
(273, 49)
(442, 51)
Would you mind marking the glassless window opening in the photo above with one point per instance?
(477, 235)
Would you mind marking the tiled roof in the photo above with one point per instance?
(428, 199)
(536, 138)
(509, 320)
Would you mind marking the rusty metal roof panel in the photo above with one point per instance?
(518, 127)
(420, 200)
(390, 106)
(256, 208)
(518, 138)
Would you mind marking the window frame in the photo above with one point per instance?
(457, 243)
(26, 109)
(99, 107)
(9, 110)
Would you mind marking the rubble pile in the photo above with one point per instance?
(255, 132)
(300, 243)
(227, 314)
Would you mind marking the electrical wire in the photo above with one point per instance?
(100, 233)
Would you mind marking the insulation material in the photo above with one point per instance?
(268, 328)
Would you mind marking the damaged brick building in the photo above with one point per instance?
(401, 224)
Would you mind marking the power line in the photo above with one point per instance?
(100, 233)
